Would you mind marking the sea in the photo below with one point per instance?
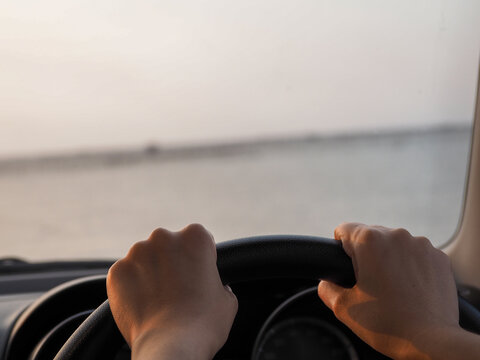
(95, 205)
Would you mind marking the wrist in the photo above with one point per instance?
(171, 343)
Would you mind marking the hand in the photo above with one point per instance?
(167, 297)
(405, 301)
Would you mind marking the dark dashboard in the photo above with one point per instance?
(277, 319)
(284, 319)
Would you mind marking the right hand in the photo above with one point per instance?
(405, 298)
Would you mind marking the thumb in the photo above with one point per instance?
(331, 294)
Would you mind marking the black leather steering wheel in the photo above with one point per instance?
(244, 259)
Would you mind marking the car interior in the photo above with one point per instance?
(58, 309)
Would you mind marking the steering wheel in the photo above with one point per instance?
(244, 259)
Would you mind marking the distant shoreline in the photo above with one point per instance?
(157, 152)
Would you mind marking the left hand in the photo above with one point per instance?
(167, 297)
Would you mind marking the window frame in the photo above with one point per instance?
(464, 247)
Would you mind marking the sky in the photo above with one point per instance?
(100, 74)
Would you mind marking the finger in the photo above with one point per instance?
(331, 294)
(228, 289)
(198, 233)
(381, 228)
(161, 233)
(346, 229)
(344, 233)
(232, 296)
(138, 249)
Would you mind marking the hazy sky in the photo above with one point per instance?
(96, 74)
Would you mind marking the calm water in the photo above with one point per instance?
(78, 209)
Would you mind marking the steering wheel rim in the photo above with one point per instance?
(260, 257)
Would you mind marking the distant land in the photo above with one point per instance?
(154, 152)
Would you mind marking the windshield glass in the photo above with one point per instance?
(250, 117)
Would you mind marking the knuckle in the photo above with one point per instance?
(424, 241)
(338, 304)
(401, 233)
(161, 239)
(197, 236)
(337, 308)
(136, 250)
(366, 233)
(159, 233)
(234, 301)
(341, 227)
(117, 270)
(195, 229)
(114, 270)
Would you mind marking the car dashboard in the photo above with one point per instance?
(277, 318)
(284, 319)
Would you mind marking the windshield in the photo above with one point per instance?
(250, 117)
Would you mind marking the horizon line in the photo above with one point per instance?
(154, 148)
